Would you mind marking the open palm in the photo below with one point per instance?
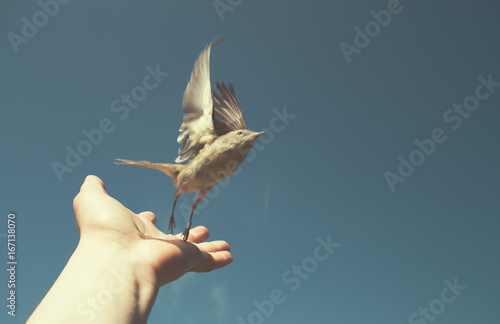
(104, 221)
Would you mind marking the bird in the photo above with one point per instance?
(213, 135)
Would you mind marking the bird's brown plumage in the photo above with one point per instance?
(213, 135)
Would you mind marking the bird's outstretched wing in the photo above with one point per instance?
(197, 127)
(227, 113)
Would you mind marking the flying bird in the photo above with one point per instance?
(214, 137)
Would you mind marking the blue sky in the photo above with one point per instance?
(363, 86)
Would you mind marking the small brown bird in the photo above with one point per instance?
(213, 134)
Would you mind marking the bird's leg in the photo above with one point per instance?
(201, 195)
(171, 222)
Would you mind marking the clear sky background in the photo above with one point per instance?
(319, 177)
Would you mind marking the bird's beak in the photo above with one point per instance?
(259, 134)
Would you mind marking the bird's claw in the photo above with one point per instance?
(171, 225)
(185, 234)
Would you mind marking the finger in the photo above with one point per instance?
(196, 235)
(93, 183)
(150, 216)
(212, 261)
(215, 246)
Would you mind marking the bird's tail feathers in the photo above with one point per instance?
(172, 170)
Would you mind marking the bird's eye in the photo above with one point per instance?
(239, 133)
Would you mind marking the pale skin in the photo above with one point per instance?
(121, 262)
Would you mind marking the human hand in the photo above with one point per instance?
(121, 261)
(106, 224)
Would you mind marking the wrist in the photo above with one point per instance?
(121, 284)
(100, 283)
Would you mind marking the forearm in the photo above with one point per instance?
(100, 284)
